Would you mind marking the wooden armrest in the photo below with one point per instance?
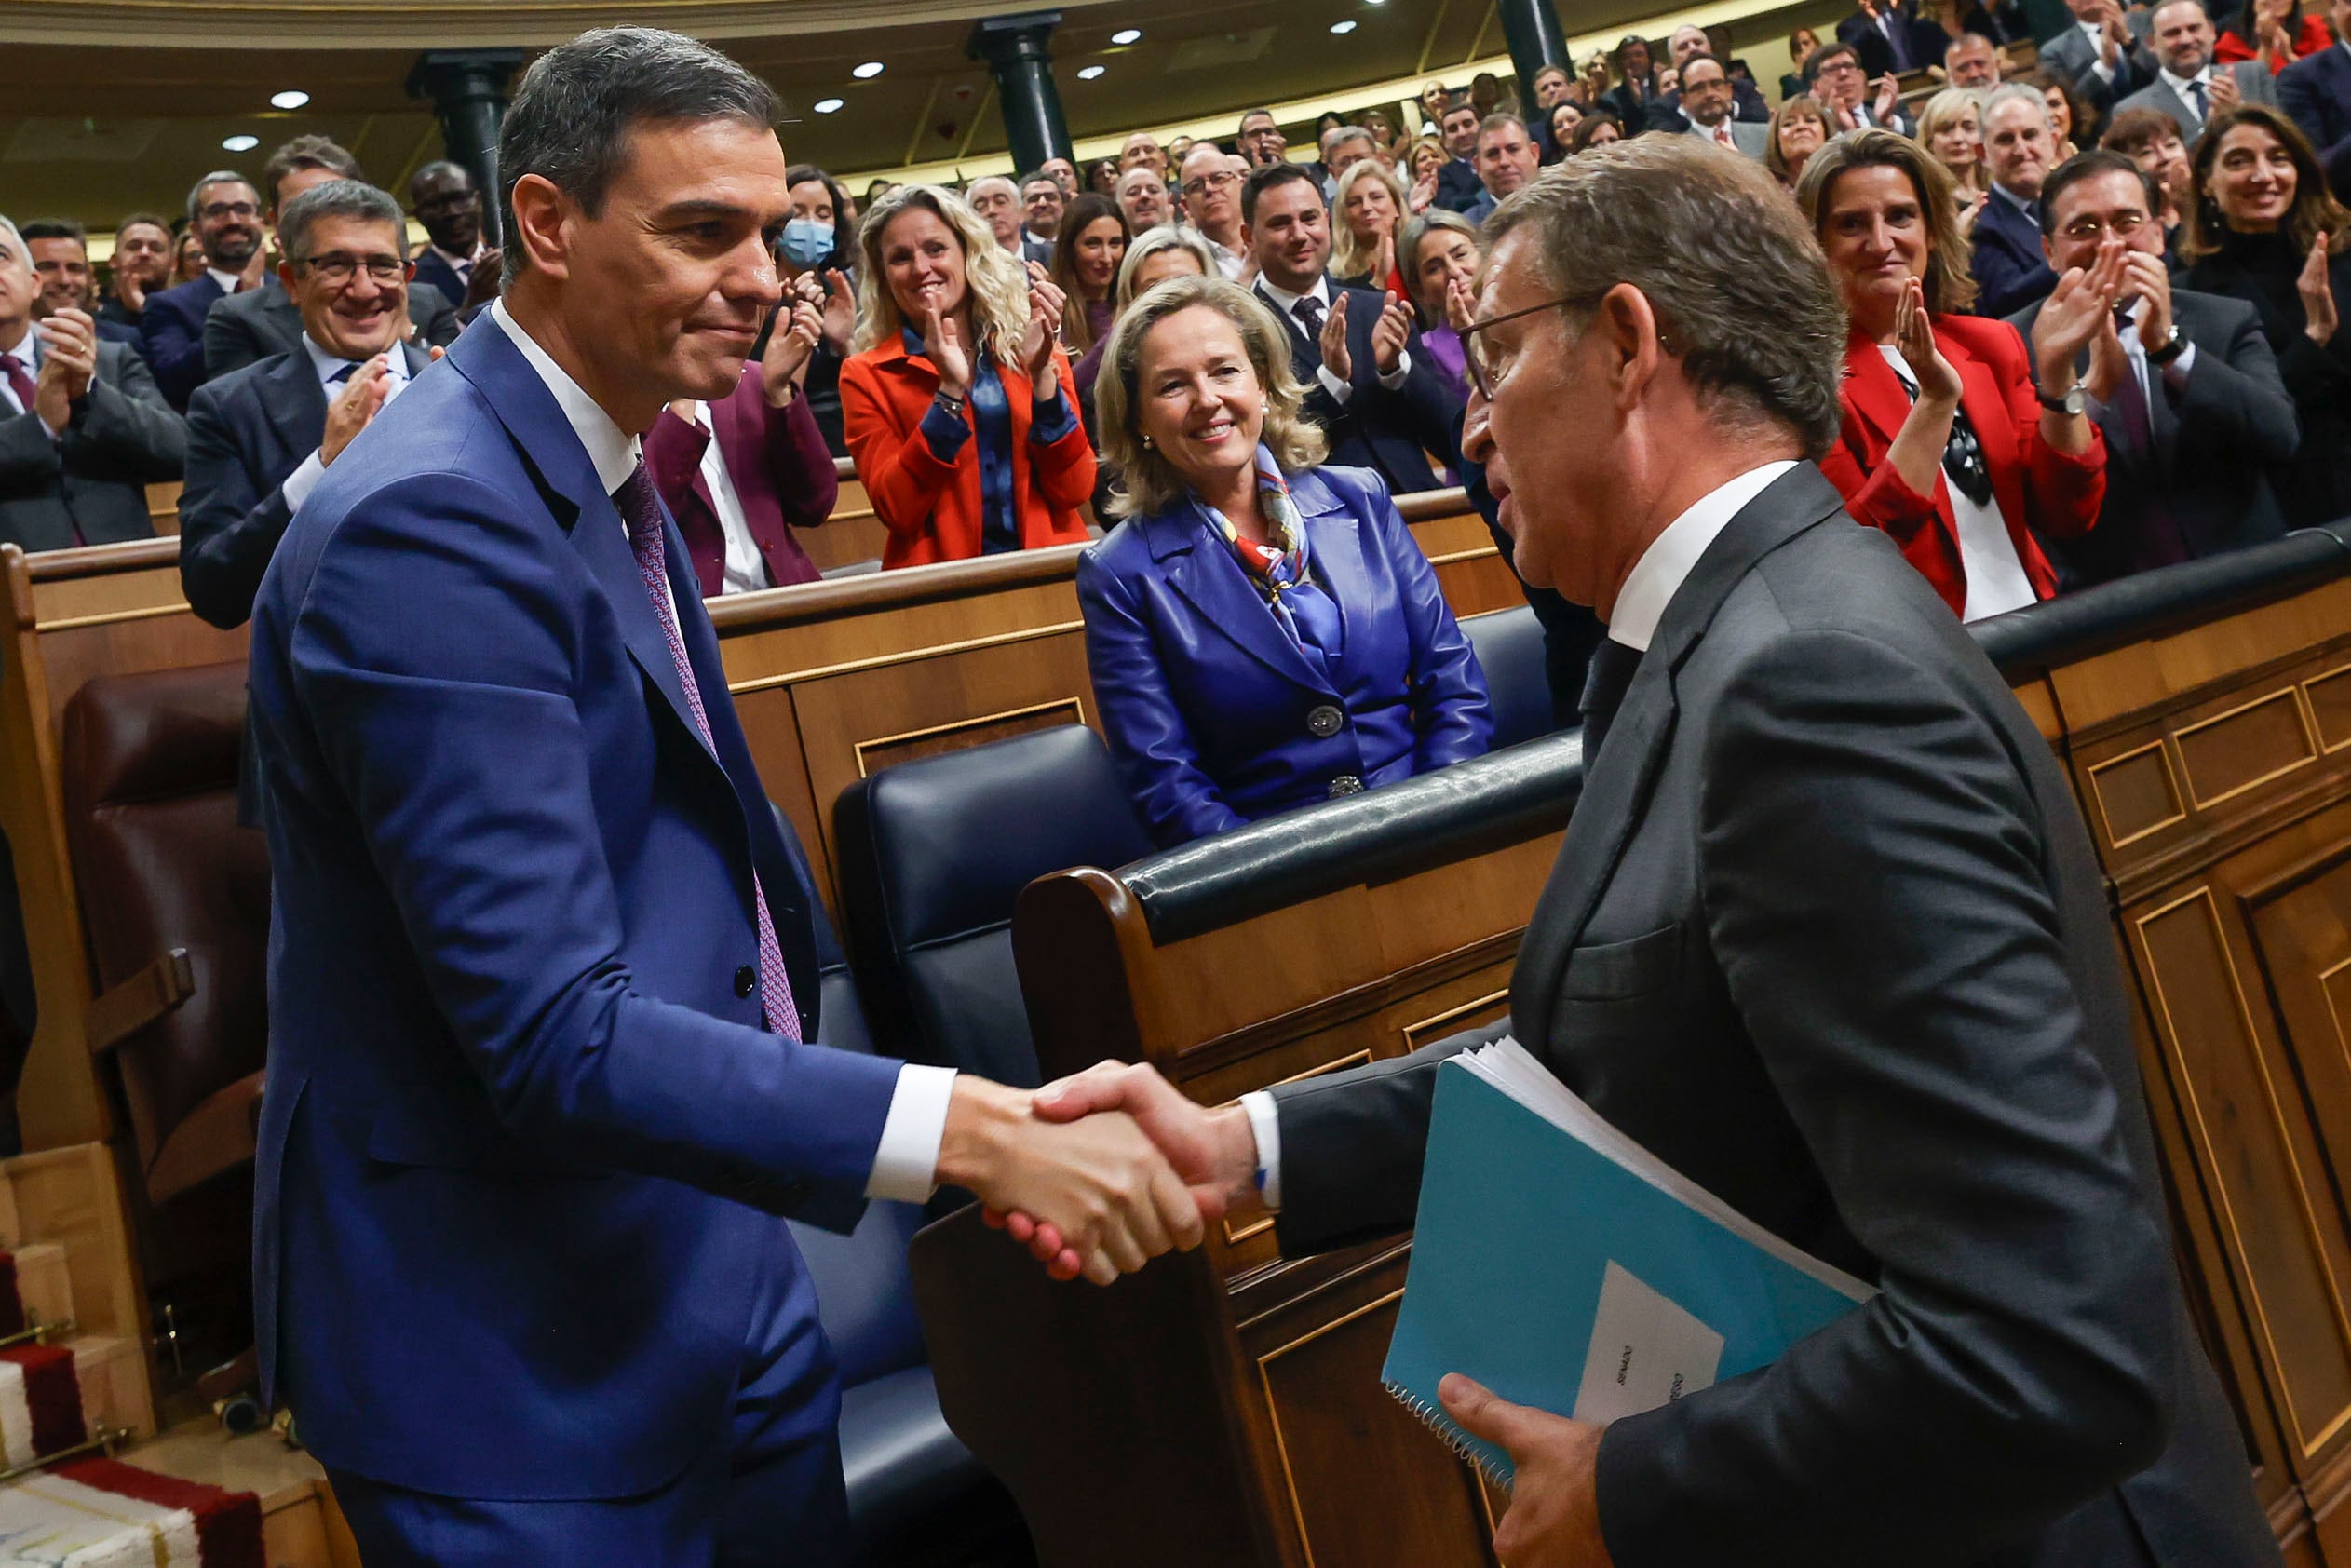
(124, 1009)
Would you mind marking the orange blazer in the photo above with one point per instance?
(932, 508)
(2037, 487)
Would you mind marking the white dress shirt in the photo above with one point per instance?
(27, 353)
(1287, 303)
(1231, 262)
(230, 282)
(2180, 84)
(461, 266)
(1640, 604)
(905, 1161)
(2095, 32)
(1988, 560)
(745, 569)
(303, 480)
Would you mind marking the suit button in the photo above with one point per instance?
(746, 979)
(1324, 722)
(1345, 784)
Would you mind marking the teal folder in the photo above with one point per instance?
(1565, 1268)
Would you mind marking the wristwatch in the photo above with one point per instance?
(2170, 348)
(951, 403)
(2075, 400)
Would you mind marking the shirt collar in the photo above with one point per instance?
(28, 352)
(1671, 556)
(229, 281)
(456, 261)
(612, 450)
(2026, 205)
(1319, 293)
(2204, 76)
(329, 364)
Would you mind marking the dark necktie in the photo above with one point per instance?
(1605, 682)
(18, 383)
(1309, 313)
(340, 377)
(639, 508)
(2199, 101)
(2160, 541)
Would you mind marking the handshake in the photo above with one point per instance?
(1100, 1173)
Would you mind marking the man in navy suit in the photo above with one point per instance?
(60, 248)
(454, 261)
(226, 211)
(260, 439)
(2316, 91)
(539, 1096)
(1368, 385)
(1891, 38)
(2019, 148)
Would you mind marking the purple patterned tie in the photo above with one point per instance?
(640, 509)
(18, 383)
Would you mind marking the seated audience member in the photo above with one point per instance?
(1972, 61)
(1263, 631)
(224, 213)
(1506, 160)
(997, 200)
(1142, 151)
(2316, 93)
(1063, 173)
(455, 262)
(1687, 43)
(1704, 111)
(1354, 350)
(2263, 229)
(1596, 129)
(1434, 99)
(1085, 269)
(1370, 209)
(1847, 95)
(1948, 443)
(1440, 255)
(60, 248)
(1637, 88)
(261, 322)
(1799, 129)
(818, 255)
(2103, 53)
(1801, 44)
(741, 474)
(2009, 268)
(1891, 37)
(1343, 148)
(1101, 178)
(83, 430)
(957, 402)
(2274, 32)
(142, 266)
(2151, 139)
(2188, 86)
(1143, 198)
(1485, 93)
(1558, 129)
(1951, 129)
(2182, 386)
(1041, 206)
(1211, 191)
(1153, 258)
(1424, 166)
(1260, 139)
(261, 438)
(1458, 186)
(2072, 118)
(187, 258)
(1553, 86)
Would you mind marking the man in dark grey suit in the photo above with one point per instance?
(83, 429)
(2185, 388)
(264, 322)
(1826, 935)
(2102, 53)
(2187, 84)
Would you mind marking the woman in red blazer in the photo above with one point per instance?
(1948, 443)
(957, 405)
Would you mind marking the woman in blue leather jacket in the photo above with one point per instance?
(1264, 632)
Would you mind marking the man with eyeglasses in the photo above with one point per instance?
(1835, 75)
(261, 438)
(226, 212)
(455, 261)
(1262, 142)
(1211, 190)
(2183, 385)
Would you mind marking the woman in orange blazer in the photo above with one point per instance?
(1949, 445)
(957, 406)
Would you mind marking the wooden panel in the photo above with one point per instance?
(2330, 698)
(2135, 794)
(2148, 677)
(2247, 745)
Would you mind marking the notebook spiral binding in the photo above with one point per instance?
(1436, 1421)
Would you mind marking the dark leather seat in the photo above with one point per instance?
(19, 1011)
(933, 855)
(1510, 650)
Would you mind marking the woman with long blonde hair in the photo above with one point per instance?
(957, 402)
(1365, 216)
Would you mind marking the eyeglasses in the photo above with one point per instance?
(336, 269)
(1482, 375)
(1210, 182)
(2089, 228)
(219, 209)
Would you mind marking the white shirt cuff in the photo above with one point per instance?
(303, 480)
(2097, 63)
(906, 1162)
(1332, 385)
(1395, 378)
(2175, 374)
(1264, 1121)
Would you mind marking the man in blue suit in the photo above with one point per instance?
(226, 211)
(2316, 91)
(542, 970)
(2011, 271)
(1369, 389)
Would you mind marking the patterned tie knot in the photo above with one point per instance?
(639, 508)
(1310, 310)
(350, 369)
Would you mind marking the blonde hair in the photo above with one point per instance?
(1436, 220)
(1937, 116)
(1148, 483)
(1148, 244)
(995, 284)
(1412, 153)
(1949, 285)
(1350, 257)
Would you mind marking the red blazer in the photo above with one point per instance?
(932, 508)
(781, 471)
(2036, 487)
(2311, 35)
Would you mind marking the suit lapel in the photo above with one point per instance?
(296, 402)
(1202, 566)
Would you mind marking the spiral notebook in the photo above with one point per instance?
(1564, 1266)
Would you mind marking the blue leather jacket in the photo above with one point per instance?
(1215, 718)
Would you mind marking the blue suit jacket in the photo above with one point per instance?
(523, 1137)
(1390, 432)
(437, 275)
(173, 329)
(1206, 701)
(2011, 272)
(2317, 93)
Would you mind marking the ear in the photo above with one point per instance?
(285, 276)
(543, 216)
(1630, 333)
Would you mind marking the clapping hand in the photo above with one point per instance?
(69, 362)
(1890, 98)
(2320, 318)
(1333, 342)
(840, 311)
(1461, 306)
(355, 408)
(1914, 339)
(2225, 91)
(1554, 1516)
(1383, 263)
(2069, 318)
(944, 347)
(790, 342)
(1046, 304)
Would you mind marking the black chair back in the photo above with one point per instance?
(1509, 648)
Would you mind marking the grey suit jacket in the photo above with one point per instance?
(2214, 436)
(241, 330)
(2253, 82)
(122, 437)
(1827, 935)
(1748, 136)
(2072, 52)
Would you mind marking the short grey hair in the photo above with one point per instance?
(570, 120)
(2015, 92)
(338, 199)
(1339, 136)
(15, 240)
(217, 177)
(1740, 285)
